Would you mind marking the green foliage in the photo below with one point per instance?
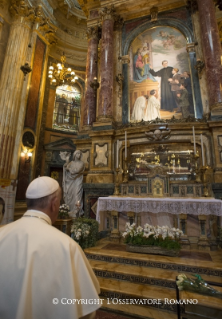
(168, 242)
(85, 232)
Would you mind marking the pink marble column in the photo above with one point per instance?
(105, 107)
(89, 111)
(212, 52)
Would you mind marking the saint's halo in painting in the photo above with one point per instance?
(160, 82)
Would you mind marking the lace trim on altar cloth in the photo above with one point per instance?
(161, 205)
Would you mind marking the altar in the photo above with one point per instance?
(194, 216)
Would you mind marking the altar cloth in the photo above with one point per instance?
(172, 205)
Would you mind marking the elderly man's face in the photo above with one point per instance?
(165, 64)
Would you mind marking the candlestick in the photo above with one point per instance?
(194, 141)
(125, 144)
(117, 153)
(202, 150)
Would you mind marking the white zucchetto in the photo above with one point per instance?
(41, 187)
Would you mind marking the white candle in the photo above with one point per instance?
(125, 144)
(202, 150)
(117, 153)
(194, 141)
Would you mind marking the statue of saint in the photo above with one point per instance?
(72, 183)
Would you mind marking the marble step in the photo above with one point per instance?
(139, 312)
(213, 269)
(126, 295)
(142, 275)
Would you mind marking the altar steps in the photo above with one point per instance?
(124, 275)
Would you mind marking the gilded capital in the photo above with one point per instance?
(125, 59)
(21, 9)
(191, 47)
(93, 33)
(44, 26)
(108, 13)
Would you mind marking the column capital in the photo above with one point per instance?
(43, 25)
(19, 9)
(190, 47)
(93, 32)
(108, 13)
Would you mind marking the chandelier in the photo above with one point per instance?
(60, 75)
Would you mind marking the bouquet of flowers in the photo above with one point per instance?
(64, 211)
(196, 284)
(85, 232)
(164, 236)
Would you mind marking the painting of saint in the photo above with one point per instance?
(159, 62)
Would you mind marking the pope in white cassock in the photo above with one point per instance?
(43, 272)
(153, 107)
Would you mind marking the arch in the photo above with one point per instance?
(174, 23)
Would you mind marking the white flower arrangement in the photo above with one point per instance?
(80, 231)
(152, 235)
(64, 211)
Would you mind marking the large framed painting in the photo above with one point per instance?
(160, 80)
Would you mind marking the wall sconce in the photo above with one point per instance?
(94, 85)
(26, 69)
(199, 67)
(27, 155)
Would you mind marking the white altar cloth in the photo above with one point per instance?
(172, 205)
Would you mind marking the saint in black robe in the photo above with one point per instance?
(167, 100)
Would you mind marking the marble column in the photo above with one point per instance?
(212, 54)
(197, 102)
(105, 107)
(11, 82)
(89, 111)
(118, 77)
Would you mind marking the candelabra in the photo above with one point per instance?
(116, 190)
(196, 168)
(204, 170)
(78, 206)
(125, 171)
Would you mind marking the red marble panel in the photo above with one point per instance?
(211, 49)
(106, 67)
(89, 112)
(23, 178)
(33, 97)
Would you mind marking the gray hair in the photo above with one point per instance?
(164, 61)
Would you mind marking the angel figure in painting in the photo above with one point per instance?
(72, 183)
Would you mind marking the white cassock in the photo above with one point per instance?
(153, 109)
(40, 263)
(139, 109)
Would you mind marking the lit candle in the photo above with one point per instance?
(117, 153)
(125, 144)
(202, 150)
(194, 141)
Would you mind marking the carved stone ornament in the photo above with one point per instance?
(125, 59)
(21, 9)
(93, 32)
(162, 133)
(191, 47)
(154, 14)
(45, 27)
(108, 13)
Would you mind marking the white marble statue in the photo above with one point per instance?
(72, 182)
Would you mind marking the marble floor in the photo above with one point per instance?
(132, 276)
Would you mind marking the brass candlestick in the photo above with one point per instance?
(204, 170)
(116, 190)
(196, 168)
(125, 171)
